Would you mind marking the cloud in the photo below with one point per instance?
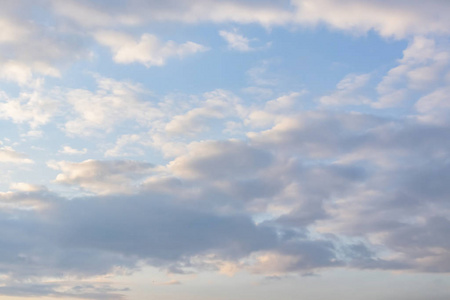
(296, 191)
(121, 143)
(110, 105)
(434, 107)
(236, 41)
(12, 30)
(101, 177)
(90, 14)
(208, 204)
(348, 91)
(420, 69)
(218, 104)
(35, 108)
(139, 12)
(219, 160)
(148, 51)
(273, 110)
(171, 282)
(62, 290)
(399, 19)
(30, 50)
(96, 235)
(26, 187)
(315, 134)
(71, 151)
(9, 155)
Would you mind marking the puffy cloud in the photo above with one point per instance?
(101, 177)
(35, 108)
(312, 210)
(303, 191)
(9, 155)
(148, 51)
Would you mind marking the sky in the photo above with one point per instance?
(225, 149)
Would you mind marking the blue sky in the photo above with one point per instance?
(225, 149)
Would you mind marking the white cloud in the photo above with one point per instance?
(34, 108)
(71, 151)
(27, 187)
(138, 11)
(9, 155)
(434, 107)
(348, 91)
(388, 18)
(113, 103)
(121, 143)
(149, 50)
(16, 71)
(236, 41)
(102, 177)
(89, 14)
(398, 19)
(218, 104)
(420, 69)
(273, 110)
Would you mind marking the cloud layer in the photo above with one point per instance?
(140, 134)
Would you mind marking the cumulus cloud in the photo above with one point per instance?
(148, 51)
(101, 177)
(9, 155)
(35, 108)
(272, 187)
(210, 205)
